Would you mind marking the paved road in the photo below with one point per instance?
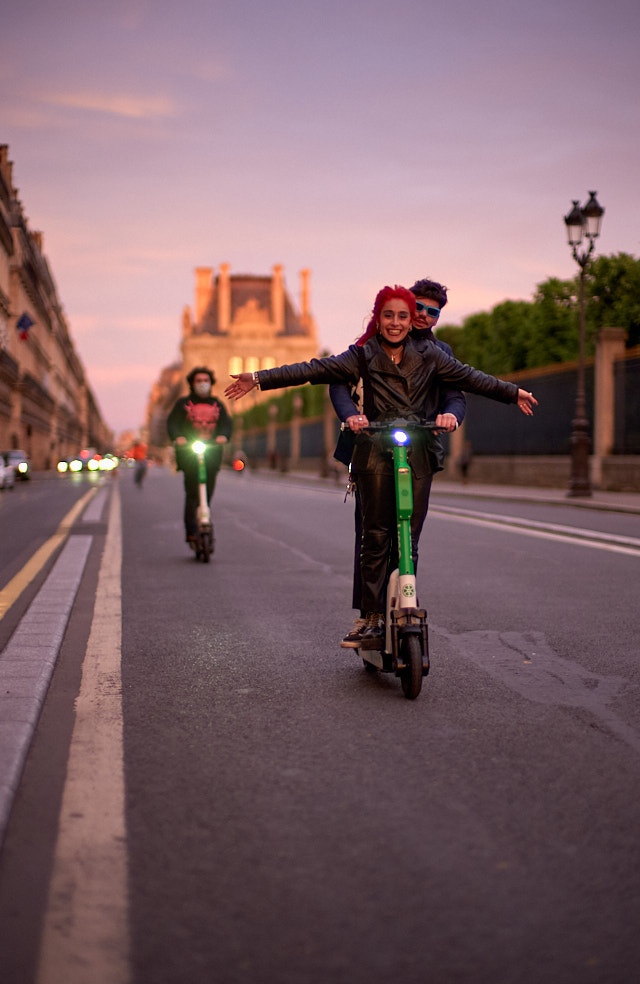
(286, 817)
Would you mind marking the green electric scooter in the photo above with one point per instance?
(204, 544)
(405, 649)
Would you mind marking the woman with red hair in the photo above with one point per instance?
(397, 380)
(384, 295)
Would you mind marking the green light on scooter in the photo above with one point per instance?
(199, 447)
(400, 437)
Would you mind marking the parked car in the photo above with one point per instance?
(7, 473)
(20, 460)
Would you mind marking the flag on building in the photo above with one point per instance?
(23, 324)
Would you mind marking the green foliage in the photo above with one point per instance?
(453, 335)
(615, 295)
(476, 333)
(555, 337)
(518, 335)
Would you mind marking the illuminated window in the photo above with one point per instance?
(268, 362)
(251, 364)
(235, 365)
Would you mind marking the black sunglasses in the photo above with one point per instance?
(431, 311)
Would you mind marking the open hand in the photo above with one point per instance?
(243, 384)
(526, 402)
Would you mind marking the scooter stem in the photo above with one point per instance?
(404, 509)
(204, 516)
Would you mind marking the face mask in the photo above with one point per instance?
(202, 389)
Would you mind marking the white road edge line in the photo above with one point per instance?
(86, 927)
(539, 533)
(576, 532)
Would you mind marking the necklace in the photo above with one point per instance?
(396, 356)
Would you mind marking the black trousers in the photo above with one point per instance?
(192, 495)
(376, 549)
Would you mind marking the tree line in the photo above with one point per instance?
(518, 335)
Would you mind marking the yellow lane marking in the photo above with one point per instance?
(12, 591)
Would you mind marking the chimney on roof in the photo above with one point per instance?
(277, 298)
(224, 298)
(305, 313)
(203, 291)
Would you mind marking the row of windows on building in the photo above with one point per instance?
(251, 364)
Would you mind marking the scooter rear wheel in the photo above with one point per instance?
(411, 676)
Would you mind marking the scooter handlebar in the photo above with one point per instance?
(400, 423)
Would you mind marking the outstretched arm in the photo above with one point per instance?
(341, 368)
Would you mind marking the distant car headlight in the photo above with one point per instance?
(23, 467)
(75, 465)
(63, 466)
(93, 465)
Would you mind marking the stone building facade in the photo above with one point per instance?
(47, 407)
(239, 323)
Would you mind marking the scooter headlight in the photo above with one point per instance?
(199, 447)
(400, 437)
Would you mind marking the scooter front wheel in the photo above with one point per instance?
(204, 547)
(411, 675)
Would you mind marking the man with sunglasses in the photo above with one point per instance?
(446, 407)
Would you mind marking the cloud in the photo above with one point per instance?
(127, 105)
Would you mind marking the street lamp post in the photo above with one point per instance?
(582, 222)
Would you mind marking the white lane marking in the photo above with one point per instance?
(545, 531)
(93, 514)
(86, 934)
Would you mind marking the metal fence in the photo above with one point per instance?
(627, 407)
(494, 428)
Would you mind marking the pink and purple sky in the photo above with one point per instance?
(372, 142)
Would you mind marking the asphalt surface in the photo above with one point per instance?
(291, 819)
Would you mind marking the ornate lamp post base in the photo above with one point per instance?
(580, 480)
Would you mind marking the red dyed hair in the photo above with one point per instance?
(383, 297)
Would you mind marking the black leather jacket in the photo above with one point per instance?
(442, 399)
(403, 390)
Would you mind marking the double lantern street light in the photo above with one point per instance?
(582, 223)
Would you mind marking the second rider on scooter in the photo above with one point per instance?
(198, 416)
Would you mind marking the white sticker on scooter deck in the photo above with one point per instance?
(407, 590)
